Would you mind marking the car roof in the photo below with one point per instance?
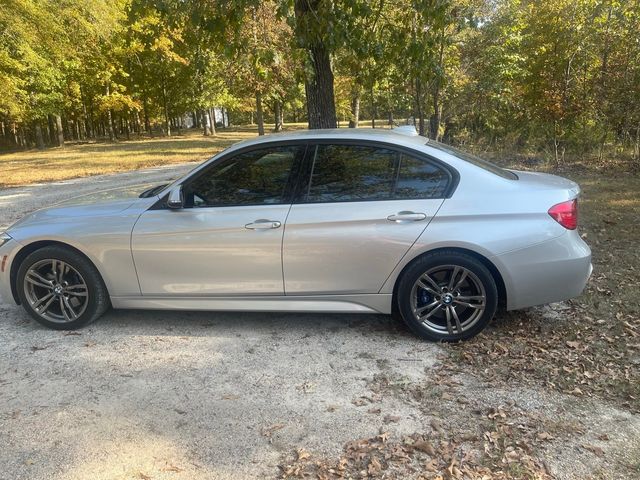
(372, 134)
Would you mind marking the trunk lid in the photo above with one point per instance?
(546, 181)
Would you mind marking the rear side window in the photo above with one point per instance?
(344, 173)
(348, 173)
(420, 179)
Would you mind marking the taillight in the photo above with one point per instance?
(566, 214)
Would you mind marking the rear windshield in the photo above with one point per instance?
(477, 161)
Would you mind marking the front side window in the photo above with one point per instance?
(257, 177)
(347, 173)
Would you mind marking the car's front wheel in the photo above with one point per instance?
(447, 296)
(60, 288)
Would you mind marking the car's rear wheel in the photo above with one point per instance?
(61, 289)
(447, 296)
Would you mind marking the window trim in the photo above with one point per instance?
(306, 171)
(290, 188)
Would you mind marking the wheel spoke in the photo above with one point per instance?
(428, 315)
(79, 290)
(38, 280)
(477, 306)
(426, 287)
(431, 282)
(45, 307)
(462, 278)
(470, 298)
(456, 319)
(420, 310)
(452, 279)
(62, 269)
(65, 303)
(42, 300)
(448, 315)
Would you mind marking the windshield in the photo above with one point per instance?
(477, 161)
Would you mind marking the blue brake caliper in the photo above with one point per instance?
(423, 297)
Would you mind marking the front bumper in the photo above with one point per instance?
(9, 249)
(548, 272)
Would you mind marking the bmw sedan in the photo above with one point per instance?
(349, 220)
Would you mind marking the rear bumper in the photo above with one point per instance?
(548, 272)
(9, 249)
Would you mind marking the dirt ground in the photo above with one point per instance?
(547, 393)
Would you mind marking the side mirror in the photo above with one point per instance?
(176, 198)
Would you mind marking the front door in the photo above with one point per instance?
(227, 240)
(362, 209)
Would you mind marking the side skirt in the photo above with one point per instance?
(374, 303)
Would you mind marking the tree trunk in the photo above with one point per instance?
(277, 114)
(50, 131)
(59, 131)
(39, 139)
(419, 109)
(206, 121)
(321, 105)
(374, 110)
(321, 108)
(355, 110)
(212, 115)
(259, 115)
(434, 121)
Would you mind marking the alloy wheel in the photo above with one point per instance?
(56, 291)
(448, 299)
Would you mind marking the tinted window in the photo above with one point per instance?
(343, 173)
(477, 161)
(420, 179)
(257, 177)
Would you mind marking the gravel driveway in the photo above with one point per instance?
(186, 395)
(183, 395)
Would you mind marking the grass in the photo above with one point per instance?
(95, 158)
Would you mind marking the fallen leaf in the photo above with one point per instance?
(544, 436)
(426, 447)
(594, 449)
(302, 454)
(268, 431)
(374, 467)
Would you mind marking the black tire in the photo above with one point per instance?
(407, 299)
(97, 298)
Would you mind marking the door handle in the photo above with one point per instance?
(263, 224)
(406, 216)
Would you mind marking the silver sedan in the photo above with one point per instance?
(316, 221)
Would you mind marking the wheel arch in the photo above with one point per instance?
(25, 251)
(495, 273)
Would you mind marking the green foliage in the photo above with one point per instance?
(532, 75)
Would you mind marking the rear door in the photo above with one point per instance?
(356, 215)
